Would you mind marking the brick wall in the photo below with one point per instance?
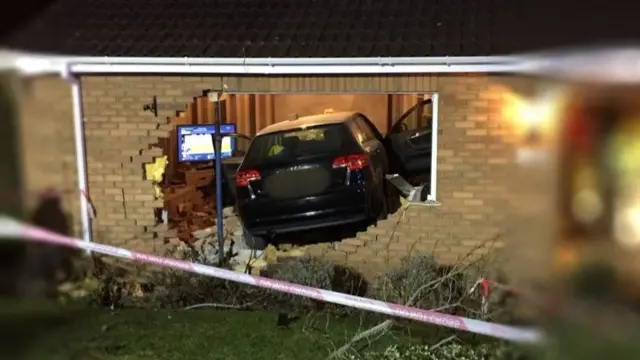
(119, 137)
(475, 158)
(46, 139)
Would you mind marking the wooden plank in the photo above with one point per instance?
(201, 105)
(172, 157)
(193, 177)
(191, 113)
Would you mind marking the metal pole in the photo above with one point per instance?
(78, 130)
(434, 145)
(217, 143)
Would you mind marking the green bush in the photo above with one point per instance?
(178, 289)
(421, 282)
(318, 273)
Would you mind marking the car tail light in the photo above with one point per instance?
(243, 177)
(351, 162)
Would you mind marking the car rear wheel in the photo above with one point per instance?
(253, 242)
(384, 200)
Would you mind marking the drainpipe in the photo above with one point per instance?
(81, 161)
(435, 112)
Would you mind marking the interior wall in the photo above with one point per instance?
(252, 113)
(375, 107)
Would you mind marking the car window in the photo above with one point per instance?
(418, 118)
(296, 144)
(357, 132)
(366, 129)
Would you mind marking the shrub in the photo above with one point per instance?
(318, 273)
(170, 288)
(419, 281)
(178, 289)
(130, 285)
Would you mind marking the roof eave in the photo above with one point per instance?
(603, 65)
(33, 64)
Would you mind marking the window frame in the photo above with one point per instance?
(397, 128)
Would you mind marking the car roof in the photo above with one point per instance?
(307, 121)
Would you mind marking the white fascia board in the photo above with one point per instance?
(32, 64)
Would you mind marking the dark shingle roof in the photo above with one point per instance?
(309, 28)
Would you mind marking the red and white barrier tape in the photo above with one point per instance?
(10, 228)
(485, 286)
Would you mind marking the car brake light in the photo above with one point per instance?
(351, 162)
(243, 177)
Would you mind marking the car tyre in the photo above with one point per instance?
(253, 242)
(384, 203)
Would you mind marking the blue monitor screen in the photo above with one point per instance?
(195, 142)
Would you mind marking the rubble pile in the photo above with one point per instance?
(242, 259)
(188, 209)
(191, 221)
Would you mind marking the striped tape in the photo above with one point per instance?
(10, 228)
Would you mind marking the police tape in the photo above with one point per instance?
(12, 229)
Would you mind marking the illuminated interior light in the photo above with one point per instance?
(532, 117)
(626, 226)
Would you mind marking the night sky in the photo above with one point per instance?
(12, 19)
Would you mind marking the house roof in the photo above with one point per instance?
(314, 28)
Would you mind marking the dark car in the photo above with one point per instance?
(322, 170)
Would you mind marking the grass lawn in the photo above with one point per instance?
(50, 332)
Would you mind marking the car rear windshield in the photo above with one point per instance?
(299, 144)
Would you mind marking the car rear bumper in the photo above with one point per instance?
(277, 217)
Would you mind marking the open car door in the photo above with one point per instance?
(409, 143)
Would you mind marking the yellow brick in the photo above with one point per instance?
(378, 246)
(155, 151)
(336, 256)
(353, 242)
(498, 161)
(127, 126)
(462, 195)
(147, 126)
(97, 132)
(118, 132)
(114, 216)
(401, 246)
(366, 252)
(479, 103)
(154, 204)
(346, 248)
(464, 124)
(377, 231)
(139, 132)
(157, 133)
(477, 132)
(314, 250)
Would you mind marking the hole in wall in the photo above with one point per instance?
(189, 190)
